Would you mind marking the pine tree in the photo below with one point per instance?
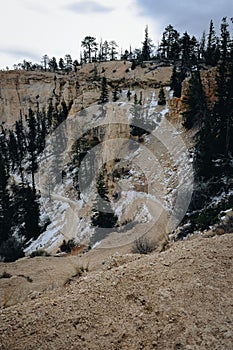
(222, 112)
(75, 64)
(32, 213)
(105, 51)
(32, 145)
(129, 95)
(58, 145)
(4, 147)
(61, 64)
(53, 64)
(113, 45)
(89, 43)
(176, 81)
(161, 97)
(21, 146)
(212, 50)
(189, 50)
(13, 150)
(5, 212)
(169, 47)
(195, 102)
(26, 210)
(69, 63)
(140, 99)
(104, 91)
(103, 215)
(146, 47)
(115, 96)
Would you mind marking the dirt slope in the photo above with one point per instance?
(178, 299)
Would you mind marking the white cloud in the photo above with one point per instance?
(88, 7)
(49, 27)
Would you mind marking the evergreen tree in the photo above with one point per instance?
(140, 99)
(32, 145)
(89, 43)
(115, 96)
(185, 44)
(169, 47)
(176, 81)
(202, 47)
(41, 131)
(222, 113)
(75, 64)
(5, 212)
(212, 50)
(161, 97)
(113, 51)
(105, 49)
(194, 49)
(4, 147)
(103, 215)
(104, 91)
(61, 64)
(26, 211)
(195, 102)
(68, 63)
(45, 62)
(146, 47)
(13, 150)
(32, 213)
(21, 146)
(129, 95)
(11, 250)
(214, 141)
(53, 64)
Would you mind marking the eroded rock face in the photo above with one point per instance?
(177, 105)
(20, 90)
(144, 175)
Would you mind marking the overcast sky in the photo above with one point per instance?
(29, 28)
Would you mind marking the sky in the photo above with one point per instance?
(30, 28)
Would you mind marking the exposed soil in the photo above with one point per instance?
(177, 299)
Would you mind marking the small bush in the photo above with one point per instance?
(11, 250)
(67, 246)
(134, 65)
(5, 275)
(79, 271)
(39, 252)
(143, 246)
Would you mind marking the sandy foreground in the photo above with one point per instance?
(178, 299)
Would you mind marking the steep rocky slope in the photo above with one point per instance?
(20, 90)
(177, 299)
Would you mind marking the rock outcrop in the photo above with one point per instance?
(21, 90)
